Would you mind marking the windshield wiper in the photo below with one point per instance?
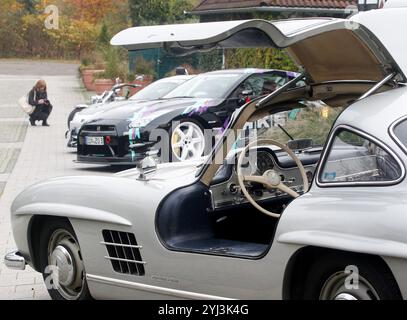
(286, 132)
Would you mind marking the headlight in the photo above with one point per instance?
(140, 121)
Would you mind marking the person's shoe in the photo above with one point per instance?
(32, 121)
(45, 124)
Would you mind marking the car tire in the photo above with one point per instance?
(58, 242)
(197, 133)
(72, 115)
(327, 279)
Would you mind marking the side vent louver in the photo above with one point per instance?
(124, 252)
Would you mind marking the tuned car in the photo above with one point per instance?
(126, 135)
(301, 222)
(110, 100)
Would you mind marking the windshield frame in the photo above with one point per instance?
(237, 121)
(394, 136)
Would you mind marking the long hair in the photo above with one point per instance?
(40, 84)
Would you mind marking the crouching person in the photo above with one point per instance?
(38, 98)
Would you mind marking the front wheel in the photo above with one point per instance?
(187, 141)
(63, 268)
(338, 277)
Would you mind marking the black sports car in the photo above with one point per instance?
(176, 122)
(109, 100)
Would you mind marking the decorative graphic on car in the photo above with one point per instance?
(200, 107)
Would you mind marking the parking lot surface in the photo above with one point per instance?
(31, 154)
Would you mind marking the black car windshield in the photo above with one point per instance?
(214, 86)
(157, 89)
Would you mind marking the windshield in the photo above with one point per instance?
(157, 89)
(303, 130)
(299, 129)
(214, 86)
(313, 122)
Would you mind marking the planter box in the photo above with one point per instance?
(102, 85)
(88, 80)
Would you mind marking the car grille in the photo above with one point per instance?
(96, 128)
(114, 149)
(124, 252)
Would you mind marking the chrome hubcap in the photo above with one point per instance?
(336, 288)
(65, 259)
(345, 296)
(187, 141)
(62, 259)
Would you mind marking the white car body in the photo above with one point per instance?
(350, 220)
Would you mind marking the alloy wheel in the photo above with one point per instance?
(187, 141)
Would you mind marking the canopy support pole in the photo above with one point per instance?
(377, 86)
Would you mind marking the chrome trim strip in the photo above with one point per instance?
(120, 245)
(137, 145)
(393, 135)
(125, 260)
(356, 183)
(153, 289)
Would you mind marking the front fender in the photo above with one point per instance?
(112, 200)
(71, 212)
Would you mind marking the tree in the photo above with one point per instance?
(10, 34)
(29, 5)
(92, 11)
(104, 37)
(259, 58)
(149, 12)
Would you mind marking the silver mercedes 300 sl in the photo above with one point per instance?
(322, 216)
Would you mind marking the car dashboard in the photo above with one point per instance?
(225, 189)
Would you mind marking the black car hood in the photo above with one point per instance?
(187, 106)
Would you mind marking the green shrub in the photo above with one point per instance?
(131, 77)
(144, 67)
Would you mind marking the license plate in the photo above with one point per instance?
(94, 141)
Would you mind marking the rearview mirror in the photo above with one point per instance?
(94, 99)
(300, 144)
(247, 92)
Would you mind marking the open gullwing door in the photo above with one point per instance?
(328, 49)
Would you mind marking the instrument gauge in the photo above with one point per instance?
(264, 162)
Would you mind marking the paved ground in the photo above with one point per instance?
(30, 154)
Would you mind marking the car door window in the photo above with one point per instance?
(356, 158)
(261, 84)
